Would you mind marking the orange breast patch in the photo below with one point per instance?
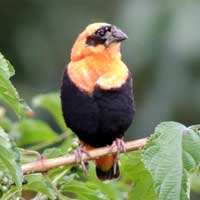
(105, 72)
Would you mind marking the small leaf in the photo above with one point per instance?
(195, 181)
(53, 152)
(51, 103)
(6, 68)
(9, 158)
(38, 183)
(169, 155)
(6, 124)
(8, 93)
(34, 131)
(115, 189)
(83, 190)
(133, 170)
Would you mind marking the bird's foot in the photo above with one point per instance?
(79, 157)
(120, 144)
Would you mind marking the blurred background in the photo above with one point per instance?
(163, 51)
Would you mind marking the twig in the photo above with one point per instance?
(43, 164)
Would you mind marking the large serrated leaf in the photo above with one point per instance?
(170, 154)
(133, 170)
(9, 158)
(51, 103)
(8, 93)
(38, 183)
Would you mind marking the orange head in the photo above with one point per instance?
(98, 39)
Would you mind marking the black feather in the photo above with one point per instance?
(100, 118)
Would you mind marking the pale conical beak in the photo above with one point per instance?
(116, 36)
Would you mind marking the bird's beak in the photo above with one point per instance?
(116, 36)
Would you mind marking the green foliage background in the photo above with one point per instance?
(162, 51)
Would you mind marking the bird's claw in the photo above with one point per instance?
(79, 157)
(120, 144)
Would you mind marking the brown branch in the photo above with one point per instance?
(47, 164)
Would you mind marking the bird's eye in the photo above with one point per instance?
(101, 32)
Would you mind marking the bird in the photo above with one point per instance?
(96, 93)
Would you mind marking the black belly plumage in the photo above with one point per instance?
(100, 118)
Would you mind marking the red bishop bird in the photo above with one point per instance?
(96, 93)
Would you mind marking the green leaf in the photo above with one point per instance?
(83, 190)
(9, 158)
(191, 148)
(171, 153)
(51, 103)
(6, 124)
(112, 189)
(38, 183)
(133, 170)
(53, 152)
(34, 131)
(8, 93)
(195, 181)
(6, 68)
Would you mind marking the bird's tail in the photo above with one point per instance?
(107, 168)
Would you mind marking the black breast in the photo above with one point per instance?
(100, 118)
